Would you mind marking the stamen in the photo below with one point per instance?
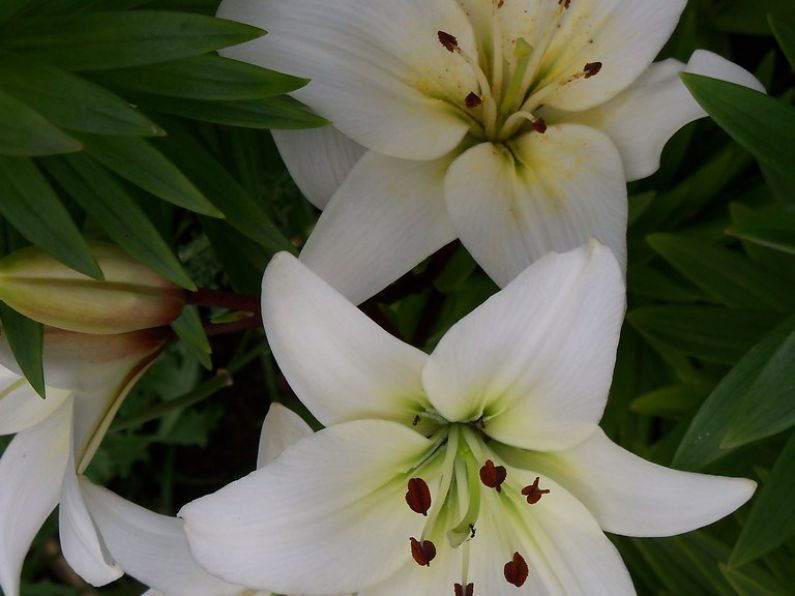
(460, 590)
(592, 69)
(464, 530)
(516, 571)
(418, 496)
(493, 476)
(423, 552)
(533, 493)
(513, 124)
(473, 100)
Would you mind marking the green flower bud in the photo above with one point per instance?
(131, 296)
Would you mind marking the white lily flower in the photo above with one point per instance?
(510, 124)
(153, 548)
(88, 378)
(478, 469)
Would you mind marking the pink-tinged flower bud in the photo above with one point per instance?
(131, 296)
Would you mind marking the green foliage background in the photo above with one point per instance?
(118, 121)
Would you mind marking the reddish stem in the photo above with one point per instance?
(204, 297)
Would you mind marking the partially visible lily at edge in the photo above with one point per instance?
(88, 377)
(153, 548)
(477, 470)
(510, 124)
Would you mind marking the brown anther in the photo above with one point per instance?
(423, 552)
(501, 3)
(533, 493)
(564, 3)
(449, 41)
(473, 100)
(419, 496)
(592, 69)
(540, 126)
(493, 476)
(460, 590)
(516, 571)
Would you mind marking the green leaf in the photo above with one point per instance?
(747, 585)
(101, 196)
(769, 404)
(26, 339)
(139, 162)
(276, 112)
(33, 208)
(702, 443)
(712, 334)
(726, 275)
(105, 40)
(647, 281)
(772, 519)
(671, 402)
(784, 30)
(750, 18)
(189, 329)
(243, 212)
(208, 77)
(772, 228)
(761, 124)
(26, 133)
(69, 101)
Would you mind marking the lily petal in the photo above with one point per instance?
(83, 548)
(624, 36)
(633, 497)
(535, 361)
(341, 364)
(642, 119)
(318, 159)
(281, 429)
(566, 188)
(31, 474)
(388, 216)
(315, 508)
(20, 405)
(150, 547)
(383, 57)
(565, 549)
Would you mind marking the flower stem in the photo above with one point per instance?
(229, 300)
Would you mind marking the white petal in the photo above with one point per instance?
(341, 364)
(633, 497)
(642, 119)
(377, 68)
(388, 216)
(20, 405)
(536, 360)
(319, 160)
(329, 515)
(31, 476)
(624, 35)
(568, 188)
(282, 428)
(566, 551)
(150, 547)
(82, 546)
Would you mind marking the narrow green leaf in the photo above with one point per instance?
(702, 442)
(784, 30)
(26, 133)
(749, 18)
(71, 102)
(139, 162)
(189, 329)
(772, 228)
(281, 112)
(104, 40)
(26, 339)
(713, 334)
(772, 519)
(769, 404)
(243, 212)
(761, 124)
(647, 281)
(208, 77)
(671, 402)
(752, 584)
(30, 204)
(726, 275)
(117, 213)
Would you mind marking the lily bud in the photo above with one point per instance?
(131, 296)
